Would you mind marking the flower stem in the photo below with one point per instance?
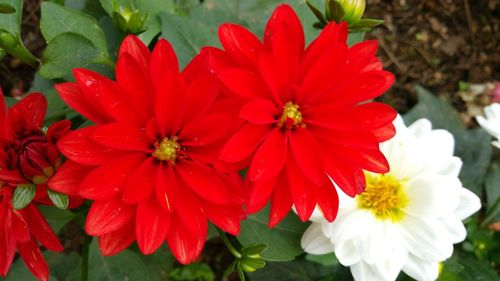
(85, 258)
(228, 244)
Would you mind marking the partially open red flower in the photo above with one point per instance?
(28, 156)
(307, 113)
(147, 162)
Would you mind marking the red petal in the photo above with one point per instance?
(240, 44)
(348, 178)
(30, 109)
(12, 176)
(121, 136)
(166, 187)
(109, 179)
(136, 49)
(269, 158)
(141, 182)
(77, 146)
(227, 218)
(41, 230)
(188, 209)
(135, 83)
(368, 159)
(385, 133)
(3, 115)
(244, 83)
(68, 177)
(362, 54)
(71, 94)
(34, 260)
(20, 227)
(205, 129)
(308, 156)
(260, 111)
(203, 181)
(260, 193)
(185, 247)
(116, 241)
(328, 200)
(281, 201)
(302, 190)
(200, 94)
(107, 216)
(244, 142)
(151, 226)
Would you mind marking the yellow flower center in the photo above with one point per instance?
(384, 197)
(291, 116)
(167, 150)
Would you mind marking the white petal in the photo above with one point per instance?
(363, 272)
(429, 196)
(315, 242)
(346, 253)
(372, 246)
(469, 203)
(420, 127)
(454, 227)
(350, 225)
(451, 167)
(390, 267)
(421, 270)
(316, 216)
(496, 144)
(492, 126)
(426, 238)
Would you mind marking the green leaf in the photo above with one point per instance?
(68, 51)
(316, 12)
(23, 195)
(325, 260)
(57, 20)
(6, 8)
(57, 218)
(186, 36)
(194, 272)
(126, 265)
(11, 22)
(159, 264)
(465, 267)
(366, 24)
(492, 183)
(283, 240)
(474, 148)
(440, 113)
(59, 200)
(300, 270)
(355, 37)
(334, 10)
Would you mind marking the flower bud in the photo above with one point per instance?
(129, 21)
(353, 10)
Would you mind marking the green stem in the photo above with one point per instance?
(228, 244)
(85, 258)
(20, 52)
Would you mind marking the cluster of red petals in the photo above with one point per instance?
(27, 156)
(307, 113)
(147, 163)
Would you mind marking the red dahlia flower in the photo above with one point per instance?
(147, 161)
(28, 157)
(307, 113)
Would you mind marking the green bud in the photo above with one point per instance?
(253, 250)
(353, 10)
(7, 40)
(251, 264)
(129, 21)
(23, 195)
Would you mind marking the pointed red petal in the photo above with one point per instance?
(260, 111)
(3, 115)
(41, 230)
(203, 181)
(30, 109)
(240, 44)
(107, 216)
(136, 49)
(308, 156)
(301, 188)
(201, 92)
(244, 83)
(244, 142)
(227, 218)
(116, 241)
(328, 200)
(205, 129)
(269, 158)
(121, 136)
(189, 211)
(347, 177)
(108, 179)
(260, 193)
(151, 226)
(68, 178)
(141, 182)
(281, 201)
(166, 187)
(34, 259)
(185, 247)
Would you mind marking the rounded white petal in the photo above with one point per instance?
(426, 239)
(315, 242)
(346, 253)
(390, 267)
(421, 270)
(454, 227)
(363, 272)
(350, 224)
(469, 203)
(420, 127)
(430, 196)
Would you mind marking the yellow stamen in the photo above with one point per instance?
(384, 197)
(291, 116)
(167, 150)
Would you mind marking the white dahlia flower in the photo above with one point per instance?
(407, 219)
(492, 122)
